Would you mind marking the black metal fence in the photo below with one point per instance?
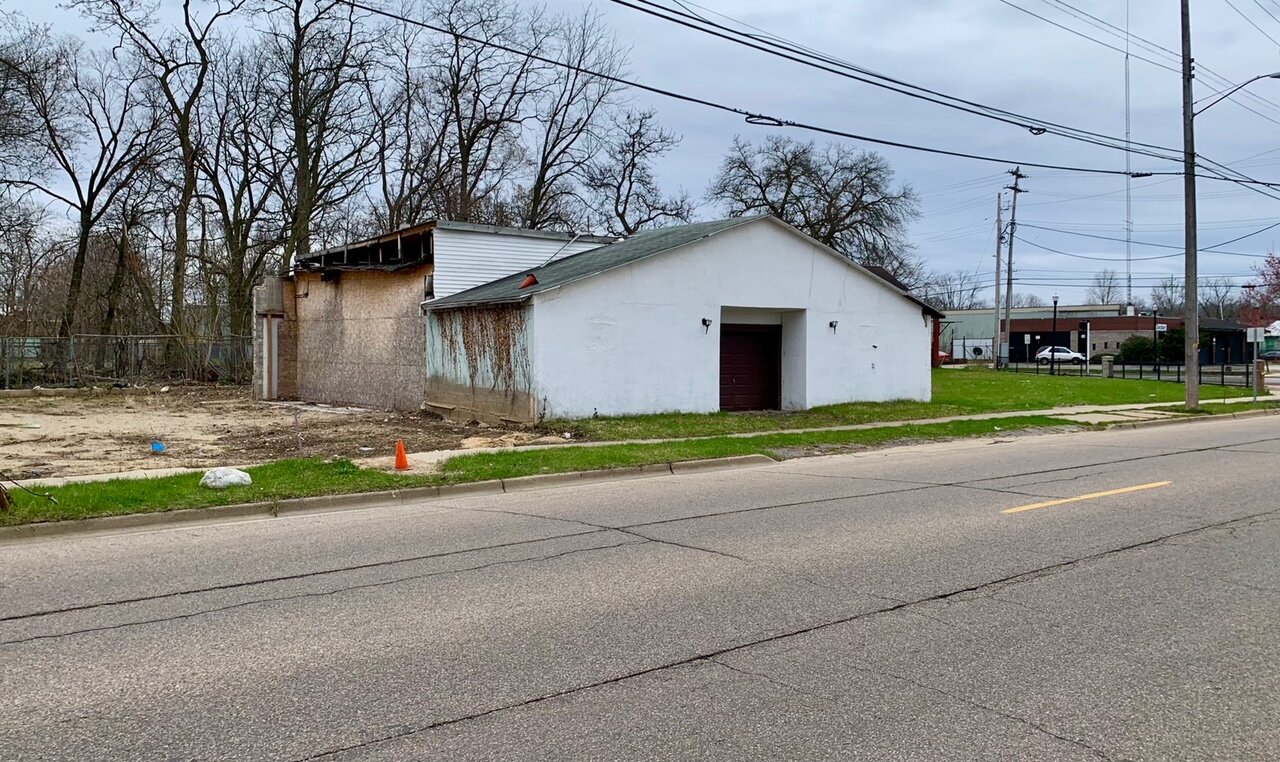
(84, 360)
(1212, 375)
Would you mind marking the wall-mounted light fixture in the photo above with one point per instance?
(832, 325)
(706, 325)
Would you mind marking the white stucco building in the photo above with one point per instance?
(746, 313)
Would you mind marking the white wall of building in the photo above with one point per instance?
(631, 340)
(468, 258)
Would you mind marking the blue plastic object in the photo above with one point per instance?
(157, 446)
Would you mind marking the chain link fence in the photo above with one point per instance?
(85, 360)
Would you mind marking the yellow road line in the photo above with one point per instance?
(1090, 496)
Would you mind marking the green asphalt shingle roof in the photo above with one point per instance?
(585, 264)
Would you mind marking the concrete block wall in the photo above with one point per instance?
(1107, 342)
(289, 345)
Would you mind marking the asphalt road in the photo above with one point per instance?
(876, 606)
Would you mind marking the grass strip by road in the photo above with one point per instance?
(311, 477)
(955, 392)
(1235, 407)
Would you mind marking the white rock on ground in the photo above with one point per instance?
(221, 478)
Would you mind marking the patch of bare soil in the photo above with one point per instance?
(201, 427)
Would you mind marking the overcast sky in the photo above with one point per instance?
(990, 52)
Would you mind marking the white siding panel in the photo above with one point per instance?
(466, 259)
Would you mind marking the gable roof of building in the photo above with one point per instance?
(609, 257)
(585, 264)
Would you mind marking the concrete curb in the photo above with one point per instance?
(1190, 419)
(355, 501)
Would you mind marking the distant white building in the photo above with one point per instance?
(746, 313)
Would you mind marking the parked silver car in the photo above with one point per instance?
(1059, 355)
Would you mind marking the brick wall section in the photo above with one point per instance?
(360, 339)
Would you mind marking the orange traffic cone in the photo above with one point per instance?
(402, 460)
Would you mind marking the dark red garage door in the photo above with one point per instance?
(750, 367)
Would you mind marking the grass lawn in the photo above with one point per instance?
(955, 392)
(304, 478)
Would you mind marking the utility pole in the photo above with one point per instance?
(1191, 321)
(1013, 231)
(999, 240)
(1128, 171)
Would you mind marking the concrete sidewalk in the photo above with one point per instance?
(426, 462)
(429, 462)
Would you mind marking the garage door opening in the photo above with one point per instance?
(750, 367)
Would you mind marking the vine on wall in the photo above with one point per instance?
(487, 338)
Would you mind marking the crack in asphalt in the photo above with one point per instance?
(981, 707)
(623, 529)
(1000, 584)
(286, 577)
(915, 482)
(1077, 477)
(770, 679)
(312, 594)
(1134, 459)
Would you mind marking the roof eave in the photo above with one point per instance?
(439, 305)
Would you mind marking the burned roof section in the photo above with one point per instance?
(415, 245)
(405, 248)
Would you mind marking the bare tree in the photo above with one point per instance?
(23, 52)
(842, 197)
(321, 58)
(1169, 297)
(1219, 298)
(620, 185)
(178, 64)
(567, 115)
(24, 255)
(957, 290)
(408, 128)
(484, 92)
(99, 133)
(1260, 302)
(242, 177)
(1106, 288)
(1026, 300)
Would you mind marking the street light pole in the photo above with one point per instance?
(1053, 347)
(1230, 91)
(1192, 318)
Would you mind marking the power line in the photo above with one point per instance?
(758, 119)
(1252, 23)
(1085, 256)
(1267, 11)
(1249, 235)
(1157, 49)
(1210, 250)
(790, 51)
(750, 117)
(691, 21)
(1078, 33)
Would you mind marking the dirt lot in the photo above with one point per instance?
(209, 426)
